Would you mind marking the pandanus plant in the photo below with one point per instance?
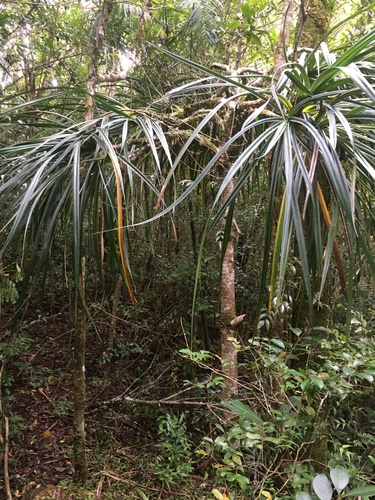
(311, 131)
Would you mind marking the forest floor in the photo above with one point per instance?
(121, 438)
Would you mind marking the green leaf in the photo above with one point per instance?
(339, 477)
(278, 343)
(242, 410)
(248, 12)
(297, 331)
(322, 487)
(296, 79)
(362, 491)
(141, 494)
(243, 481)
(317, 381)
(347, 371)
(237, 459)
(303, 496)
(255, 39)
(234, 25)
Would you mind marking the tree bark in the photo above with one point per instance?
(96, 47)
(284, 37)
(79, 436)
(80, 462)
(228, 311)
(228, 318)
(313, 23)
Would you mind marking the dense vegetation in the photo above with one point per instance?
(187, 299)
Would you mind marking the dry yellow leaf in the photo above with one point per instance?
(47, 434)
(266, 494)
(220, 496)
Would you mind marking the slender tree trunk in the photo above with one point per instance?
(4, 438)
(228, 311)
(96, 47)
(79, 438)
(284, 36)
(27, 41)
(229, 322)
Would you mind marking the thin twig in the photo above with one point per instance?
(161, 402)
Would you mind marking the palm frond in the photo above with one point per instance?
(61, 176)
(203, 20)
(318, 126)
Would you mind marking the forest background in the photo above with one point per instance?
(186, 249)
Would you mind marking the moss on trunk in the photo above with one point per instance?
(314, 22)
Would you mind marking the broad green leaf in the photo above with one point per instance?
(339, 477)
(243, 481)
(242, 410)
(255, 39)
(297, 331)
(362, 491)
(248, 11)
(278, 343)
(322, 487)
(317, 381)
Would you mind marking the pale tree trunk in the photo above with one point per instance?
(96, 48)
(229, 322)
(27, 41)
(229, 325)
(4, 438)
(284, 36)
(79, 437)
